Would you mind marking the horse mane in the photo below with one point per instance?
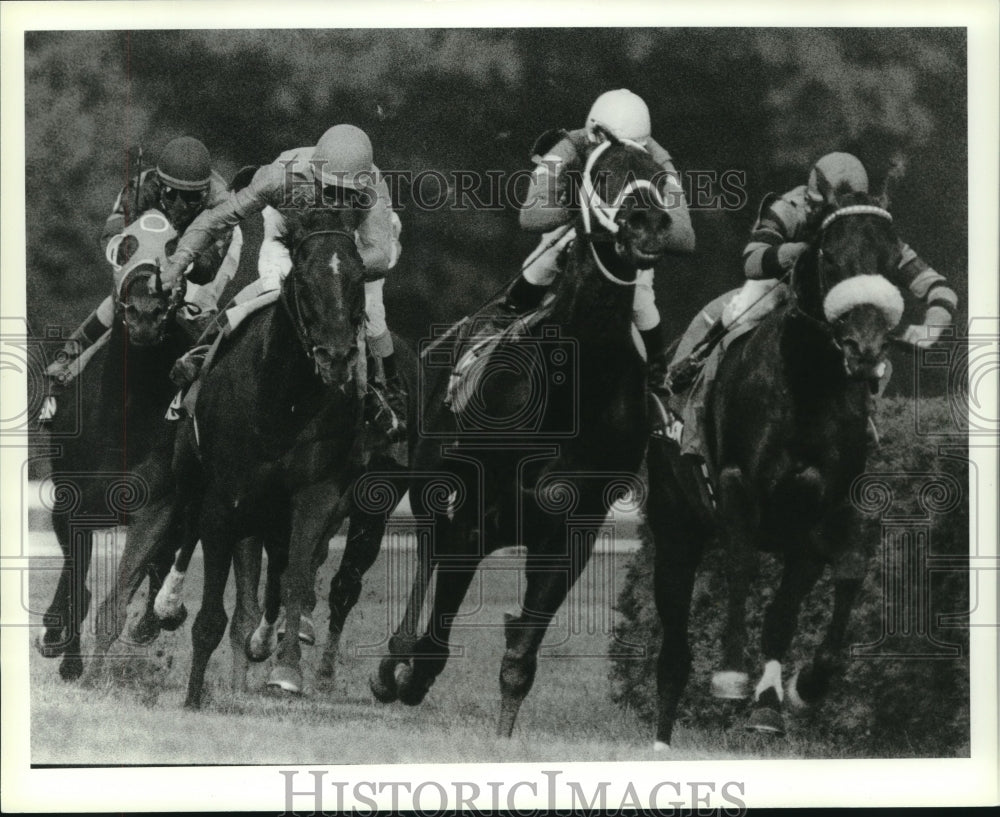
(299, 223)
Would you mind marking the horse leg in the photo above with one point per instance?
(148, 535)
(545, 590)
(57, 617)
(168, 604)
(364, 541)
(71, 602)
(403, 641)
(740, 569)
(312, 511)
(430, 653)
(808, 686)
(263, 641)
(148, 627)
(210, 624)
(678, 539)
(780, 619)
(246, 569)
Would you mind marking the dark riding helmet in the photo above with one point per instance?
(833, 174)
(184, 172)
(185, 164)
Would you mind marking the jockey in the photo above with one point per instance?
(180, 186)
(341, 166)
(624, 114)
(785, 228)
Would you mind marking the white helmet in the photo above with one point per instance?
(343, 156)
(623, 113)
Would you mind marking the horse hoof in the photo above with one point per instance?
(288, 679)
(71, 668)
(660, 746)
(144, 631)
(307, 633)
(382, 693)
(327, 668)
(731, 685)
(256, 649)
(49, 648)
(411, 692)
(175, 620)
(765, 720)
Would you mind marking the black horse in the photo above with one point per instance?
(278, 436)
(785, 432)
(553, 434)
(109, 422)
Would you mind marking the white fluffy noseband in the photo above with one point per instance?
(864, 289)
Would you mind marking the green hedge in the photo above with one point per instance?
(885, 706)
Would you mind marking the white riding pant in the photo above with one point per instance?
(542, 267)
(276, 262)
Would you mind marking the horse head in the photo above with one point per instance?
(146, 312)
(623, 198)
(136, 256)
(844, 283)
(324, 291)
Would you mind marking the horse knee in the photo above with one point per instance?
(517, 673)
(208, 628)
(344, 594)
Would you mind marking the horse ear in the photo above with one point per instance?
(606, 133)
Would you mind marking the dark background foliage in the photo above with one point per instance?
(762, 102)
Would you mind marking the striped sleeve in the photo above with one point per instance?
(923, 281)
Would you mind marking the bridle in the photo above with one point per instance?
(606, 213)
(836, 215)
(291, 301)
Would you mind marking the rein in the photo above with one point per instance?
(606, 213)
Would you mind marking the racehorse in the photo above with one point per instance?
(110, 422)
(785, 433)
(557, 436)
(276, 436)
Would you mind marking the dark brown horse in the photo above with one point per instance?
(785, 432)
(276, 438)
(553, 433)
(110, 421)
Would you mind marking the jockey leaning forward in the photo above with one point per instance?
(341, 166)
(557, 154)
(786, 227)
(181, 186)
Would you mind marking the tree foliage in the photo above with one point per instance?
(765, 102)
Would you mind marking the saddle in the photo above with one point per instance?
(477, 339)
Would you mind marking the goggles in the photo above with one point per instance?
(170, 195)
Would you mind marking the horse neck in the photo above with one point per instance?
(284, 361)
(596, 310)
(814, 367)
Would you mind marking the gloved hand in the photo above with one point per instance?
(936, 319)
(185, 370)
(789, 253)
(172, 274)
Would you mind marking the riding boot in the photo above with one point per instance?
(189, 365)
(83, 337)
(387, 398)
(683, 373)
(59, 373)
(656, 362)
